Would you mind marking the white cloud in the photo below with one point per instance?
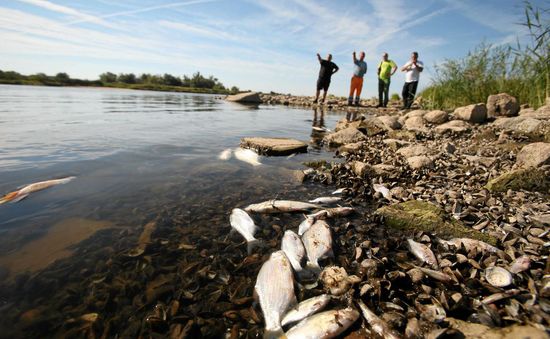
(67, 10)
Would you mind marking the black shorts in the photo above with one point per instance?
(323, 84)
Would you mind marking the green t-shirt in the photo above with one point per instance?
(385, 69)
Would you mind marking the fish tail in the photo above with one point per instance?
(275, 334)
(8, 197)
(251, 245)
(313, 267)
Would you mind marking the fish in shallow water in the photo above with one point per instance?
(243, 223)
(325, 200)
(275, 290)
(305, 309)
(423, 253)
(22, 193)
(318, 243)
(326, 324)
(294, 249)
(280, 206)
(225, 154)
(378, 325)
(248, 156)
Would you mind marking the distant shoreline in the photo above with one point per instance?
(139, 87)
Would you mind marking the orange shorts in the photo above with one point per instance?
(356, 86)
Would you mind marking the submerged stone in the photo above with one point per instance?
(415, 215)
(246, 97)
(529, 179)
(274, 146)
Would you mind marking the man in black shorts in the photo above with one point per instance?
(328, 68)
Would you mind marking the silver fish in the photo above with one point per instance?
(305, 225)
(280, 206)
(294, 249)
(243, 223)
(318, 243)
(423, 253)
(331, 213)
(305, 309)
(471, 244)
(225, 154)
(340, 191)
(275, 290)
(326, 324)
(248, 156)
(378, 325)
(437, 275)
(520, 264)
(325, 200)
(22, 193)
(383, 190)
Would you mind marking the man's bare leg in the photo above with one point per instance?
(317, 95)
(324, 95)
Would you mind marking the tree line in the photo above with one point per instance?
(167, 81)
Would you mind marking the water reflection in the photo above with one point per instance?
(318, 130)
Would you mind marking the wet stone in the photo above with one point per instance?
(274, 146)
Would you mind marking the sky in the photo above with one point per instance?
(263, 45)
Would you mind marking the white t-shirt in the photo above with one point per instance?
(413, 74)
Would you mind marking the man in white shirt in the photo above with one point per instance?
(412, 69)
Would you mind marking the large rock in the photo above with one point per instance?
(502, 105)
(421, 216)
(412, 114)
(436, 117)
(246, 98)
(419, 161)
(453, 126)
(413, 150)
(479, 331)
(534, 155)
(352, 148)
(395, 144)
(390, 122)
(402, 135)
(385, 170)
(523, 124)
(415, 124)
(529, 179)
(361, 169)
(274, 146)
(476, 113)
(345, 136)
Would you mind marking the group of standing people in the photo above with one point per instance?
(386, 68)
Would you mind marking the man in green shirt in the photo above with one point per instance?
(386, 68)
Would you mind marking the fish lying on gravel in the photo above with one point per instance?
(294, 249)
(520, 264)
(325, 200)
(243, 223)
(280, 206)
(340, 190)
(275, 290)
(326, 324)
(423, 253)
(248, 156)
(382, 190)
(305, 309)
(305, 225)
(471, 244)
(331, 213)
(318, 243)
(378, 325)
(22, 193)
(225, 154)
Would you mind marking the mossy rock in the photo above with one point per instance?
(529, 179)
(316, 164)
(415, 215)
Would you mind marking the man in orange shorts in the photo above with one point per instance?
(359, 71)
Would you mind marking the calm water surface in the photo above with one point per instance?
(136, 155)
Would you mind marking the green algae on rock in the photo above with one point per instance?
(426, 217)
(530, 179)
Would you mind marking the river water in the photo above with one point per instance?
(137, 156)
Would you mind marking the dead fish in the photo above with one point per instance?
(440, 276)
(305, 309)
(327, 324)
(243, 223)
(332, 213)
(248, 156)
(471, 244)
(340, 191)
(294, 249)
(22, 193)
(321, 129)
(378, 325)
(318, 243)
(305, 225)
(423, 253)
(275, 290)
(382, 190)
(325, 200)
(520, 264)
(225, 154)
(280, 206)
